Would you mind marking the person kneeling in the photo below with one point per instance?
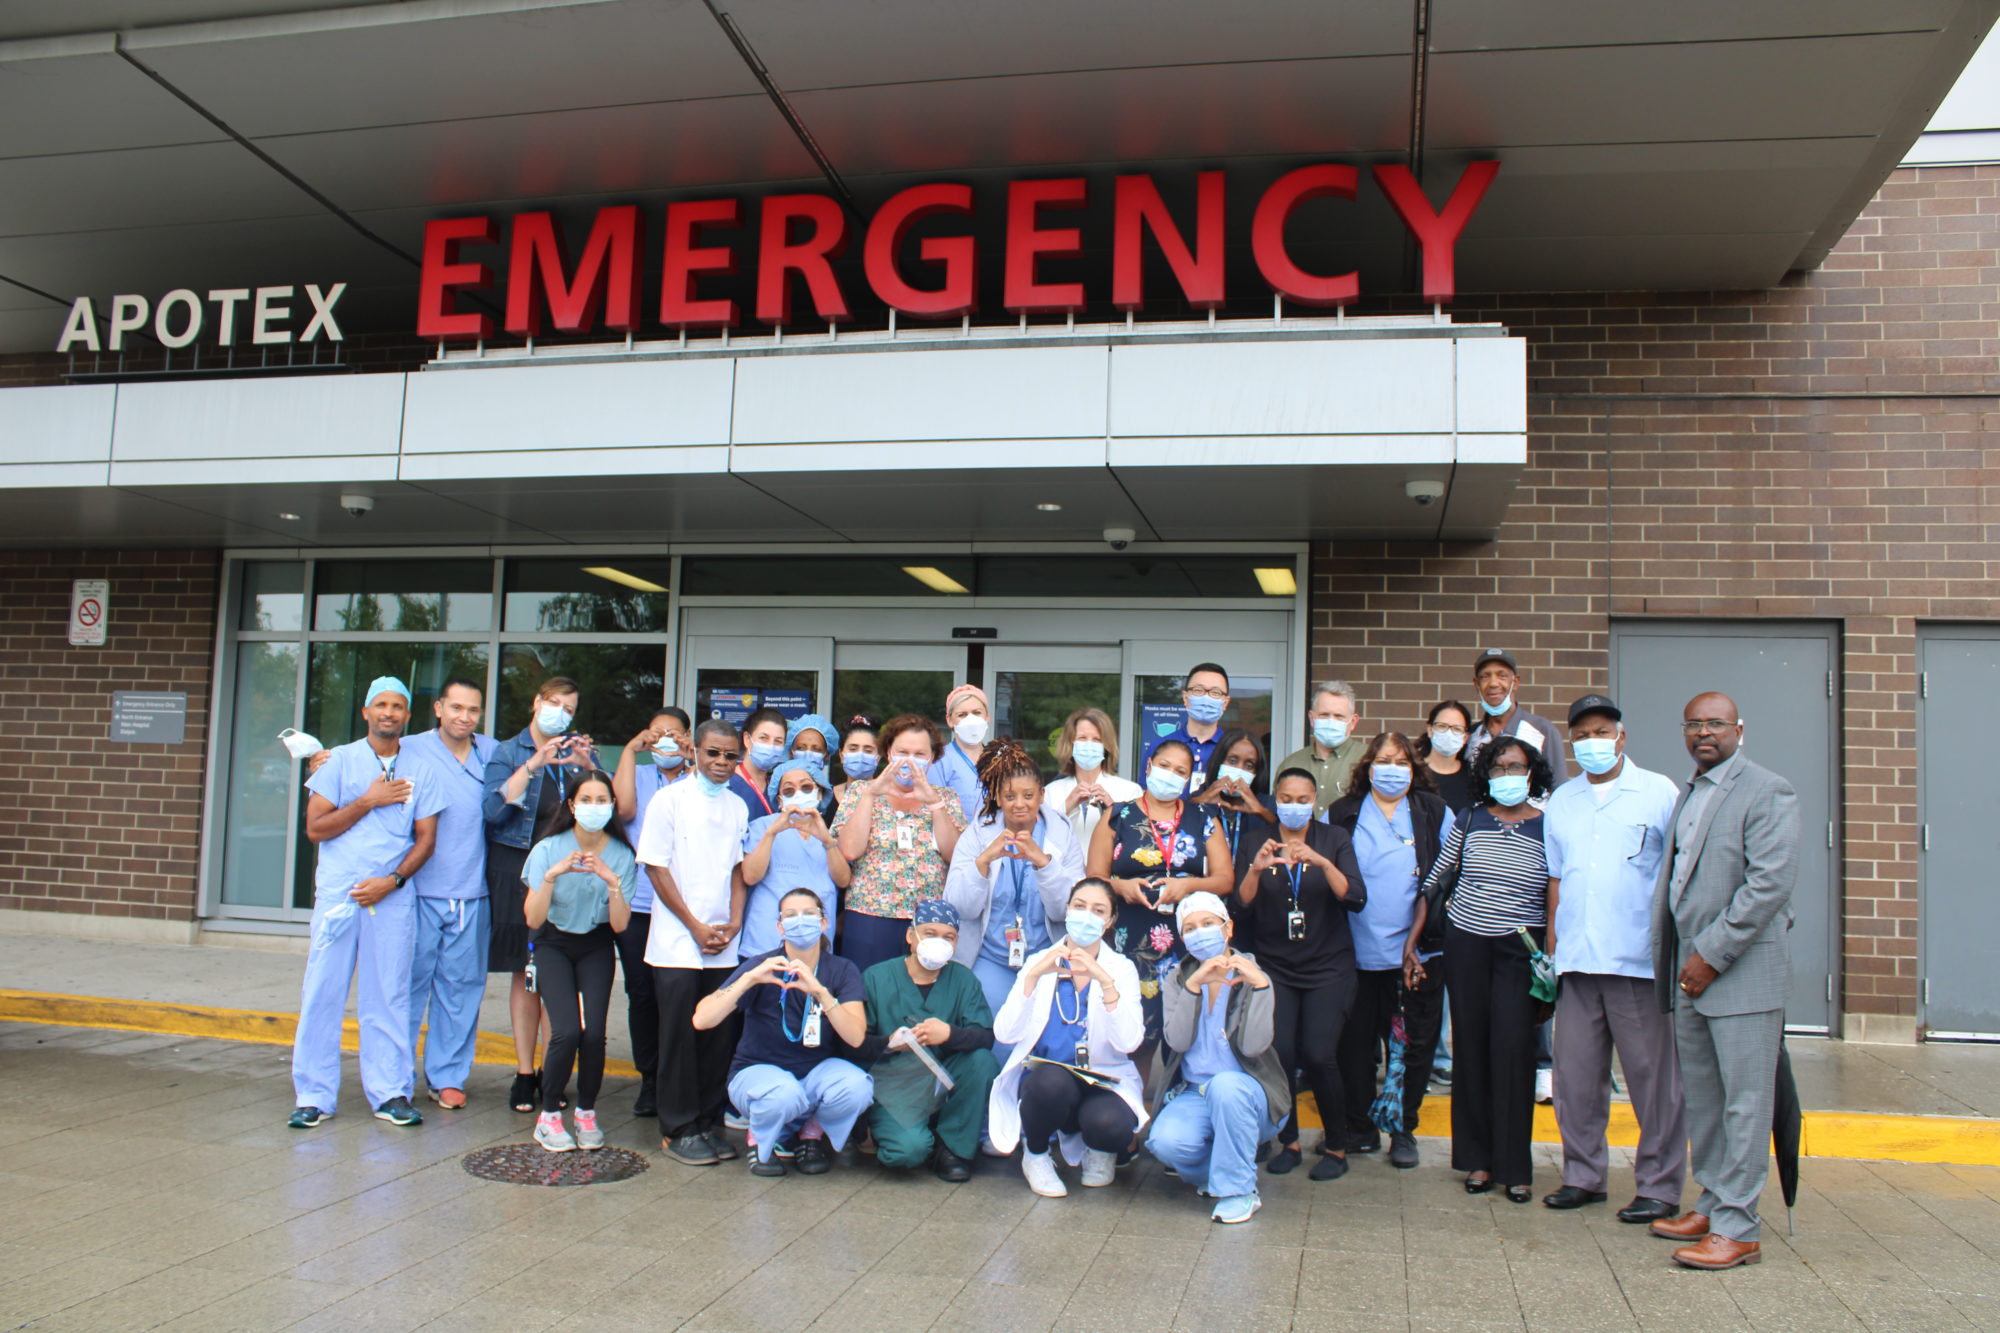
(797, 1094)
(1218, 1088)
(926, 999)
(1073, 1018)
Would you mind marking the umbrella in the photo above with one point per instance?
(1386, 1112)
(1786, 1126)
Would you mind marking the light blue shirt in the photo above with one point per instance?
(1385, 850)
(1607, 856)
(378, 841)
(955, 771)
(1209, 1054)
(1017, 896)
(457, 869)
(581, 900)
(796, 863)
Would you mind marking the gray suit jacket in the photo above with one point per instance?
(1735, 905)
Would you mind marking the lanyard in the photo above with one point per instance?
(1173, 837)
(784, 1019)
(1232, 824)
(1297, 874)
(754, 791)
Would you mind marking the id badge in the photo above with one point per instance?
(1017, 947)
(1082, 1055)
(1295, 925)
(810, 1034)
(528, 976)
(906, 838)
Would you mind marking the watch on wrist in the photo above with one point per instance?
(400, 878)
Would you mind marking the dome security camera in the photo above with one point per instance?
(356, 504)
(1423, 492)
(1119, 538)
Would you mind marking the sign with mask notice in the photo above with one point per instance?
(792, 703)
(146, 717)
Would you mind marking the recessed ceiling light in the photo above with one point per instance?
(620, 576)
(1049, 507)
(1279, 582)
(287, 516)
(935, 579)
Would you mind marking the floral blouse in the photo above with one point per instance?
(901, 863)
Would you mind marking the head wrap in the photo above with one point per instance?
(964, 692)
(1198, 902)
(385, 685)
(813, 766)
(935, 912)
(812, 722)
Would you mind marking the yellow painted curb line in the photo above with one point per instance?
(1852, 1134)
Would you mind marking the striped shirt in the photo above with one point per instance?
(1503, 881)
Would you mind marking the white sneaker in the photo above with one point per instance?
(1545, 1086)
(1040, 1169)
(1099, 1168)
(549, 1132)
(588, 1135)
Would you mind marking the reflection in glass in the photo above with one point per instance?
(610, 595)
(263, 778)
(619, 686)
(1031, 706)
(403, 596)
(274, 595)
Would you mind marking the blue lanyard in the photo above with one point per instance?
(1017, 874)
(1232, 821)
(1298, 874)
(784, 1018)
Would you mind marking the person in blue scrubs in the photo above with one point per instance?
(763, 750)
(448, 964)
(654, 759)
(812, 739)
(1218, 1089)
(968, 716)
(373, 811)
(791, 849)
(1205, 695)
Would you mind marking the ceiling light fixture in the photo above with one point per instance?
(621, 577)
(1279, 582)
(1049, 507)
(935, 579)
(287, 516)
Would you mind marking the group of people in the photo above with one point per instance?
(1086, 968)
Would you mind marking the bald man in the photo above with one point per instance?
(1721, 908)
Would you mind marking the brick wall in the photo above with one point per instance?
(88, 825)
(1829, 449)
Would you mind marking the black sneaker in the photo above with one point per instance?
(951, 1168)
(814, 1159)
(1403, 1149)
(398, 1112)
(787, 1149)
(1364, 1140)
(725, 1150)
(647, 1103)
(525, 1094)
(691, 1149)
(305, 1117)
(1328, 1167)
(760, 1167)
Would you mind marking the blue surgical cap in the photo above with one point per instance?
(813, 766)
(812, 722)
(385, 685)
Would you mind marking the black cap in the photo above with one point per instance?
(1594, 703)
(1496, 655)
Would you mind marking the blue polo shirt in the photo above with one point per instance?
(457, 869)
(1202, 749)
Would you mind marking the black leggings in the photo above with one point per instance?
(1054, 1101)
(573, 977)
(642, 1008)
(1306, 1025)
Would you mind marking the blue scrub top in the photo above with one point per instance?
(1017, 896)
(1385, 850)
(1210, 1054)
(457, 869)
(582, 900)
(796, 863)
(380, 839)
(952, 769)
(1060, 1039)
(1202, 750)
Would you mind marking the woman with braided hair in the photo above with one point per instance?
(1011, 873)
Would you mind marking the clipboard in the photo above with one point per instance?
(924, 1057)
(1096, 1078)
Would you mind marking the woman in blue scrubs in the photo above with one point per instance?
(791, 849)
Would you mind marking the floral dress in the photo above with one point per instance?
(1145, 936)
(901, 863)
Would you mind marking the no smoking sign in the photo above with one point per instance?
(89, 601)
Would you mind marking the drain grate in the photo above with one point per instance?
(531, 1164)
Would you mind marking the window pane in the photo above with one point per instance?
(620, 685)
(263, 778)
(274, 595)
(881, 695)
(404, 595)
(1031, 706)
(1160, 711)
(585, 596)
(819, 576)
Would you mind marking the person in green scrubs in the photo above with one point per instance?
(927, 999)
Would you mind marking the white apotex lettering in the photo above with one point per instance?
(181, 317)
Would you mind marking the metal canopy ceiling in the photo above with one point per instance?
(153, 144)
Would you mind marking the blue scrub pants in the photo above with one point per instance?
(777, 1104)
(372, 950)
(1209, 1134)
(996, 979)
(448, 975)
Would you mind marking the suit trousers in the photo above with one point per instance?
(1596, 1014)
(1729, 1065)
(1493, 1040)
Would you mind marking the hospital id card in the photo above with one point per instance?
(810, 1034)
(1017, 945)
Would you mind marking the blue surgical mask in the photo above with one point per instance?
(859, 764)
(710, 789)
(803, 931)
(592, 818)
(1508, 789)
(1389, 779)
(1447, 743)
(1165, 784)
(1083, 928)
(1204, 942)
(1595, 754)
(1231, 773)
(1499, 709)
(906, 772)
(667, 754)
(1295, 814)
(553, 719)
(1203, 708)
(1330, 731)
(1088, 755)
(766, 757)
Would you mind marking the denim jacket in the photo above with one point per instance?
(514, 825)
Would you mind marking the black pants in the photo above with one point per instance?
(1376, 995)
(1307, 1022)
(573, 977)
(1055, 1101)
(642, 1006)
(1493, 1054)
(693, 1067)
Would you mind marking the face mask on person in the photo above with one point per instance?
(1595, 754)
(1165, 784)
(1447, 743)
(805, 798)
(972, 729)
(905, 772)
(592, 818)
(1083, 928)
(1204, 942)
(859, 764)
(1295, 814)
(1205, 708)
(933, 952)
(1231, 773)
(766, 757)
(1330, 731)
(708, 787)
(1089, 755)
(1499, 709)
(1508, 789)
(553, 719)
(667, 754)
(802, 931)
(1389, 779)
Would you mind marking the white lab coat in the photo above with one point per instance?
(1112, 1036)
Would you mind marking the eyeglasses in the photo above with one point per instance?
(1446, 730)
(731, 755)
(1716, 725)
(1510, 770)
(1206, 692)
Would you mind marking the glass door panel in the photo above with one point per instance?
(731, 676)
(1259, 694)
(1035, 689)
(879, 681)
(263, 778)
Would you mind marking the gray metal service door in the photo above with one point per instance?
(1779, 673)
(1959, 832)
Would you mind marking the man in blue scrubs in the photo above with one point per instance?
(373, 811)
(448, 967)
(1205, 695)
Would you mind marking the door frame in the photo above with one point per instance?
(1927, 633)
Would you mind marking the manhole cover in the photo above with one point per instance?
(532, 1164)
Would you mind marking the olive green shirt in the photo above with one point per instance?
(1330, 773)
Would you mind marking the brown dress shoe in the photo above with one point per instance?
(1688, 1226)
(1717, 1252)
